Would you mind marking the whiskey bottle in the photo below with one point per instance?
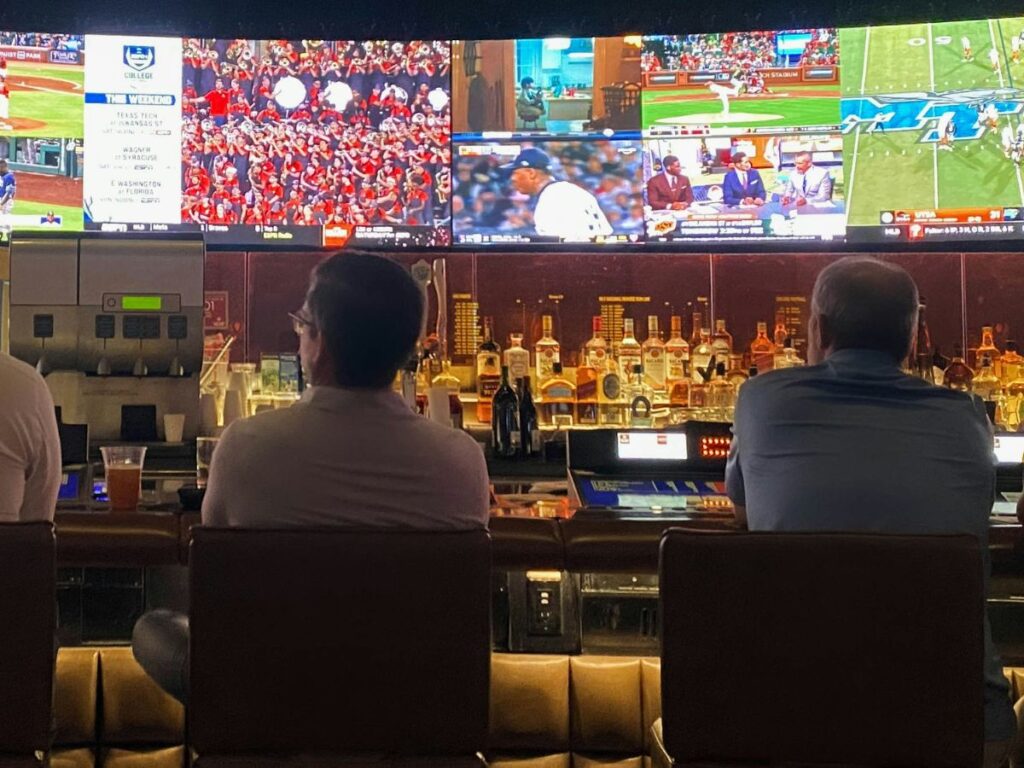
(654, 358)
(609, 398)
(557, 399)
(1013, 405)
(736, 373)
(721, 342)
(1013, 363)
(630, 351)
(587, 379)
(596, 349)
(547, 352)
(700, 357)
(517, 358)
(530, 440)
(988, 347)
(698, 326)
(986, 384)
(677, 353)
(488, 372)
(506, 436)
(787, 356)
(781, 333)
(451, 382)
(958, 374)
(762, 350)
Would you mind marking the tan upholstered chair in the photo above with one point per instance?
(314, 646)
(818, 649)
(28, 617)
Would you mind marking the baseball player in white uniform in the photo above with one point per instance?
(562, 209)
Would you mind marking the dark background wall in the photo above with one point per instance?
(475, 19)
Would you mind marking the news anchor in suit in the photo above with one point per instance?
(670, 189)
(743, 184)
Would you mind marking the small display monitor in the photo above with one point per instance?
(652, 446)
(1009, 449)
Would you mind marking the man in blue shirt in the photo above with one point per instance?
(852, 443)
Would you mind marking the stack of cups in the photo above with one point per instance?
(208, 421)
(233, 406)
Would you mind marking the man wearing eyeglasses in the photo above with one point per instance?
(350, 452)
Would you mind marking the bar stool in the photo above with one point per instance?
(28, 615)
(339, 647)
(814, 648)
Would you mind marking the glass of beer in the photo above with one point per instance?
(122, 465)
(204, 455)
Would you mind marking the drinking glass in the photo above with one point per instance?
(122, 465)
(205, 447)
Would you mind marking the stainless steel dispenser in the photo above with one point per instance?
(111, 323)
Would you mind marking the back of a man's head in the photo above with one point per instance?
(369, 310)
(864, 303)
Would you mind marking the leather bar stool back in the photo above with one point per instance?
(338, 642)
(813, 649)
(28, 620)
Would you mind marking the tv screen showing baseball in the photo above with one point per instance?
(548, 192)
(351, 137)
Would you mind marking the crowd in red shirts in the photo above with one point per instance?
(733, 51)
(316, 133)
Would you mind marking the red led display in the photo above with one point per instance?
(714, 447)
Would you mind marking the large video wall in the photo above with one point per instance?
(865, 135)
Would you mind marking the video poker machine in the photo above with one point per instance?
(676, 473)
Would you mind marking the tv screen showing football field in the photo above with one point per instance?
(932, 130)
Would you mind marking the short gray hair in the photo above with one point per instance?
(864, 303)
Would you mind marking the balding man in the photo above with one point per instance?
(852, 443)
(808, 183)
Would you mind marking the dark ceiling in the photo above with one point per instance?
(472, 19)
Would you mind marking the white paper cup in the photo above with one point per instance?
(174, 427)
(438, 405)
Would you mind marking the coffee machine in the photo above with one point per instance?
(115, 326)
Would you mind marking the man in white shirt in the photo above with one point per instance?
(30, 465)
(563, 209)
(350, 452)
(808, 183)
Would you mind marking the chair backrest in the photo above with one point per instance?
(816, 648)
(28, 618)
(339, 641)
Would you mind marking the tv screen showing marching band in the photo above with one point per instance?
(905, 133)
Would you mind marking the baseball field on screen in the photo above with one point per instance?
(785, 107)
(46, 99)
(920, 70)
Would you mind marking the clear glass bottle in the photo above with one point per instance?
(639, 398)
(506, 436)
(721, 394)
(654, 358)
(762, 350)
(736, 373)
(986, 384)
(529, 427)
(596, 350)
(1013, 404)
(557, 399)
(517, 358)
(488, 372)
(677, 354)
(988, 347)
(547, 351)
(958, 375)
(630, 351)
(721, 341)
(451, 382)
(787, 356)
(700, 358)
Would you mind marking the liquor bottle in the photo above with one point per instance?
(721, 394)
(700, 357)
(654, 359)
(506, 436)
(451, 382)
(762, 350)
(609, 398)
(781, 333)
(1013, 405)
(1013, 363)
(587, 378)
(557, 399)
(547, 352)
(790, 359)
(677, 353)
(529, 427)
(630, 351)
(639, 398)
(679, 394)
(721, 342)
(488, 372)
(699, 387)
(922, 363)
(958, 374)
(736, 374)
(988, 347)
(517, 359)
(986, 384)
(698, 326)
(595, 352)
